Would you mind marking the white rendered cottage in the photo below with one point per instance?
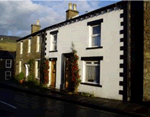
(97, 40)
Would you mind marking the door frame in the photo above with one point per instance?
(64, 56)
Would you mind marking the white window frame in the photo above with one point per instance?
(38, 44)
(20, 66)
(52, 42)
(29, 45)
(84, 70)
(91, 35)
(21, 47)
(36, 68)
(6, 74)
(6, 63)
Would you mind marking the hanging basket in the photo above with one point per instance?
(21, 81)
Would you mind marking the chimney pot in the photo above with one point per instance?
(70, 5)
(38, 22)
(74, 7)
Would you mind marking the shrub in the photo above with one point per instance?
(20, 76)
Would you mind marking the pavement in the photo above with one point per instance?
(116, 106)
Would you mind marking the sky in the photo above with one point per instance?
(16, 16)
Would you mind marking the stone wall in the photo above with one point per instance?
(146, 83)
(25, 57)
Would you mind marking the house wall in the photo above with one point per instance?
(78, 33)
(146, 84)
(25, 57)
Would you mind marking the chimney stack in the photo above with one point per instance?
(70, 13)
(35, 27)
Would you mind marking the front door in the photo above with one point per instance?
(53, 73)
(67, 69)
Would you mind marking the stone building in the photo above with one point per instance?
(121, 32)
(28, 48)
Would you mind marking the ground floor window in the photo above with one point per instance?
(37, 69)
(20, 66)
(92, 71)
(7, 75)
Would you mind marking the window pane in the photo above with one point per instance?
(8, 64)
(96, 29)
(38, 73)
(90, 77)
(7, 77)
(38, 64)
(55, 47)
(8, 61)
(97, 74)
(55, 37)
(88, 62)
(8, 73)
(96, 41)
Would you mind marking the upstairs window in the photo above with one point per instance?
(21, 47)
(8, 63)
(29, 45)
(95, 33)
(38, 44)
(95, 36)
(54, 40)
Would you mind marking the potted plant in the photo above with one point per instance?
(21, 78)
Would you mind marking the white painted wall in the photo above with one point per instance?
(78, 33)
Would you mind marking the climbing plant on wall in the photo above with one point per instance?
(31, 76)
(75, 77)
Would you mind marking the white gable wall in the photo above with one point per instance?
(78, 33)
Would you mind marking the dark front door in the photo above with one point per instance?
(53, 74)
(67, 69)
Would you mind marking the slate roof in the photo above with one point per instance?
(7, 54)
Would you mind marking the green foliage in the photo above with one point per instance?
(86, 94)
(20, 76)
(74, 77)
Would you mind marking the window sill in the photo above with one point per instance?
(96, 85)
(53, 51)
(37, 78)
(94, 47)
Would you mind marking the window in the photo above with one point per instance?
(95, 33)
(21, 47)
(54, 40)
(29, 45)
(7, 75)
(92, 71)
(8, 63)
(37, 69)
(20, 66)
(95, 36)
(38, 44)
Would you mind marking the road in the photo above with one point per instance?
(19, 104)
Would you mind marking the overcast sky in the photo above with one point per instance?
(17, 16)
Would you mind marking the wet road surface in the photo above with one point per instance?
(19, 104)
